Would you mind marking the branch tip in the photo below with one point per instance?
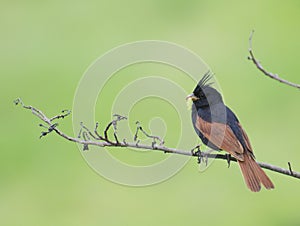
(263, 70)
(250, 38)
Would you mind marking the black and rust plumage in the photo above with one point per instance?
(219, 128)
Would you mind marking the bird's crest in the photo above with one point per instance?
(204, 82)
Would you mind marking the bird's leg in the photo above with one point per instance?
(228, 157)
(195, 148)
(198, 153)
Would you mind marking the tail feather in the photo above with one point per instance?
(253, 174)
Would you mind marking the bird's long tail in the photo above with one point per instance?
(253, 174)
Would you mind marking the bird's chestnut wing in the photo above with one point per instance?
(222, 136)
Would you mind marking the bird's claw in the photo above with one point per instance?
(198, 153)
(228, 157)
(195, 148)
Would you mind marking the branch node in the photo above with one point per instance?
(137, 143)
(167, 151)
(50, 129)
(85, 136)
(80, 132)
(114, 124)
(88, 133)
(290, 169)
(137, 130)
(154, 138)
(85, 147)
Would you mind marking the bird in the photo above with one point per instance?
(219, 128)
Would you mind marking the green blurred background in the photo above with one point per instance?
(47, 45)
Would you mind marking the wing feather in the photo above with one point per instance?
(221, 136)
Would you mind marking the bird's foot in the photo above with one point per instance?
(197, 152)
(228, 157)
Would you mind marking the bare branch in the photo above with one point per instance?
(154, 138)
(95, 140)
(261, 68)
(64, 114)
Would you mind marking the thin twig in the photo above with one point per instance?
(113, 123)
(290, 169)
(106, 130)
(102, 142)
(64, 114)
(88, 131)
(96, 132)
(261, 68)
(154, 138)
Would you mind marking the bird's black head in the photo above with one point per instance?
(204, 95)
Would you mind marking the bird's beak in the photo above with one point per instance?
(192, 97)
